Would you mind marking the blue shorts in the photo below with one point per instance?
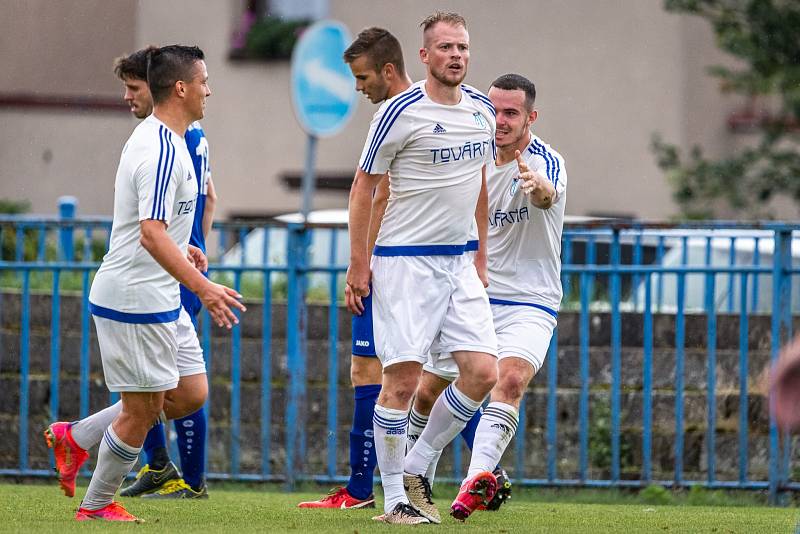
(363, 339)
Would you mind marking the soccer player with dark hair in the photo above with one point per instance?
(135, 296)
(159, 478)
(376, 61)
(527, 185)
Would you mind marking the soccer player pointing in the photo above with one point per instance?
(527, 197)
(434, 139)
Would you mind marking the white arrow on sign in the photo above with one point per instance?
(330, 80)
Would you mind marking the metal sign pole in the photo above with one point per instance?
(309, 177)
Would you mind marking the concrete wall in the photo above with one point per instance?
(609, 74)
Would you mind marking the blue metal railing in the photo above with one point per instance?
(612, 273)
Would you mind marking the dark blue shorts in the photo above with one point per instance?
(363, 338)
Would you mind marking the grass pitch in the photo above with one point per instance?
(40, 508)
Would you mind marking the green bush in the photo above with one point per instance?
(273, 38)
(14, 207)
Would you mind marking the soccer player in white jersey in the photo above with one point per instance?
(135, 298)
(375, 58)
(435, 140)
(527, 195)
(159, 478)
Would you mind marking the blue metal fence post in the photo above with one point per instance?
(781, 325)
(296, 321)
(24, 369)
(616, 357)
(647, 383)
(711, 370)
(743, 368)
(67, 207)
(552, 407)
(55, 344)
(586, 288)
(333, 358)
(680, 349)
(266, 361)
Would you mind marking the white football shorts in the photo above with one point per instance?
(138, 357)
(419, 299)
(522, 332)
(190, 355)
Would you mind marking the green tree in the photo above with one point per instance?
(765, 35)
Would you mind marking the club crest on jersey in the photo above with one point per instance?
(514, 186)
(439, 129)
(479, 120)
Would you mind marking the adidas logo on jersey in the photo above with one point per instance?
(439, 129)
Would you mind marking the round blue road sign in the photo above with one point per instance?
(323, 88)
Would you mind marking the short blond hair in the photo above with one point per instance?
(451, 18)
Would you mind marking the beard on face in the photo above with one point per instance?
(512, 137)
(379, 94)
(442, 78)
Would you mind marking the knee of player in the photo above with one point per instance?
(486, 375)
(424, 400)
(510, 387)
(195, 400)
(397, 396)
(140, 413)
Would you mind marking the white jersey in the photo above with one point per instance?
(434, 154)
(525, 241)
(155, 180)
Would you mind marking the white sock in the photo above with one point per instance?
(89, 431)
(430, 474)
(450, 414)
(114, 460)
(390, 447)
(497, 426)
(416, 424)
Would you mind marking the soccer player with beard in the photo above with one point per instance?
(434, 140)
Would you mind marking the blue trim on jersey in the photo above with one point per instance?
(419, 250)
(167, 176)
(161, 172)
(556, 166)
(551, 311)
(158, 170)
(471, 246)
(134, 318)
(483, 99)
(399, 99)
(552, 165)
(385, 124)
